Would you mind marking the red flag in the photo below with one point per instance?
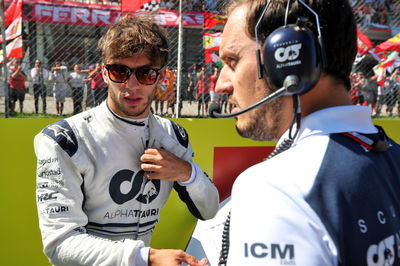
(13, 12)
(212, 41)
(13, 50)
(213, 19)
(14, 30)
(393, 44)
(133, 5)
(390, 60)
(212, 57)
(207, 56)
(364, 44)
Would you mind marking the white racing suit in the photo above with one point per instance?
(95, 206)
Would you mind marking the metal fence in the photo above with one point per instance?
(55, 33)
(377, 87)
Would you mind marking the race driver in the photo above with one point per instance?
(104, 175)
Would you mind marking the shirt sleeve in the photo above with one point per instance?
(62, 220)
(199, 192)
(32, 73)
(51, 76)
(271, 225)
(45, 74)
(206, 239)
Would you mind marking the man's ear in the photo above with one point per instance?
(104, 73)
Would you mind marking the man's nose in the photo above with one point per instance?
(132, 82)
(224, 83)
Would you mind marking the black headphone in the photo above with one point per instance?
(292, 52)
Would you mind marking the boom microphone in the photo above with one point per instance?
(214, 110)
(289, 86)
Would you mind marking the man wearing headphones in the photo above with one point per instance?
(328, 194)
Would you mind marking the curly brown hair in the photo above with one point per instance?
(337, 23)
(132, 36)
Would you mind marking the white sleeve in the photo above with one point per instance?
(207, 236)
(45, 74)
(32, 73)
(62, 220)
(51, 76)
(199, 193)
(270, 225)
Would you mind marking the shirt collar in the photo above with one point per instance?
(346, 118)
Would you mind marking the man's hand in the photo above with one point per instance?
(162, 164)
(167, 257)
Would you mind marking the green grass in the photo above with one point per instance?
(387, 117)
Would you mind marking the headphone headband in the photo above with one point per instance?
(291, 50)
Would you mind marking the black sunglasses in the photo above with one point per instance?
(121, 73)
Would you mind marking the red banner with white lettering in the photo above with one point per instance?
(132, 5)
(60, 12)
(73, 13)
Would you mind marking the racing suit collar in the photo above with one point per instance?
(136, 122)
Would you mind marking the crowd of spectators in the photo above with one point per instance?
(382, 95)
(79, 84)
(197, 90)
(87, 89)
(375, 12)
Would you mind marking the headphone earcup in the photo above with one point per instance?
(292, 50)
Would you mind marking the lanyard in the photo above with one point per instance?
(367, 143)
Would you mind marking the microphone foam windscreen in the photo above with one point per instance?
(214, 108)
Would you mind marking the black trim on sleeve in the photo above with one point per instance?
(181, 134)
(184, 196)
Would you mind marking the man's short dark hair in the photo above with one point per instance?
(338, 28)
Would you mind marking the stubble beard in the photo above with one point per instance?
(258, 126)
